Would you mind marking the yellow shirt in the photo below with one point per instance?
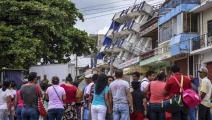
(206, 87)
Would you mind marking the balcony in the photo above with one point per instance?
(132, 12)
(205, 5)
(125, 29)
(201, 44)
(137, 50)
(128, 46)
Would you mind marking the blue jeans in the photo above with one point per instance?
(121, 112)
(85, 114)
(192, 114)
(55, 114)
(156, 112)
(29, 113)
(18, 113)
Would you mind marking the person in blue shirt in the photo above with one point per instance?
(100, 99)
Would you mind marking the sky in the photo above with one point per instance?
(98, 14)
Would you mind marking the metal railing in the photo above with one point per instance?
(200, 42)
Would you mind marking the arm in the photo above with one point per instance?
(107, 101)
(64, 97)
(202, 95)
(130, 101)
(110, 101)
(203, 89)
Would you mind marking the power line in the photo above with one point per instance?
(100, 5)
(97, 5)
(106, 11)
(154, 4)
(126, 5)
(99, 16)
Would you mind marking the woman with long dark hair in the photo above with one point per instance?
(100, 100)
(70, 106)
(5, 97)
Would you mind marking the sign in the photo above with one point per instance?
(149, 60)
(129, 62)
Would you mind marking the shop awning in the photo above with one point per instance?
(150, 60)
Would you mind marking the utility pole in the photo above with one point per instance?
(76, 66)
(111, 57)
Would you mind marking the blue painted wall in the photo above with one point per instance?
(181, 43)
(175, 11)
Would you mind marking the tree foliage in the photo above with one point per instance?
(31, 30)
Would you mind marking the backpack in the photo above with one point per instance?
(190, 98)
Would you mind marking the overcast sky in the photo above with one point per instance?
(98, 13)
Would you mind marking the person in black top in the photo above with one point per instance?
(138, 97)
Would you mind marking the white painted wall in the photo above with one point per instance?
(60, 70)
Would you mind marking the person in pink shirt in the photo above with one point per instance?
(19, 104)
(157, 89)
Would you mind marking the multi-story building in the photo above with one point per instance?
(123, 43)
(177, 26)
(201, 46)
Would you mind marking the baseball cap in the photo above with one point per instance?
(203, 69)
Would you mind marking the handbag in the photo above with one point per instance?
(41, 108)
(173, 104)
(190, 98)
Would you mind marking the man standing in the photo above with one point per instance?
(172, 88)
(205, 94)
(44, 83)
(121, 97)
(136, 76)
(150, 76)
(29, 93)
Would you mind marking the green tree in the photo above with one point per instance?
(35, 29)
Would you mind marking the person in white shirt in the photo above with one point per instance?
(5, 97)
(205, 94)
(149, 76)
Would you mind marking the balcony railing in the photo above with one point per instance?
(133, 11)
(125, 29)
(174, 3)
(201, 42)
(127, 46)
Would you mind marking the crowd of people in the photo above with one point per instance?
(107, 97)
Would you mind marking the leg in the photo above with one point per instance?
(102, 112)
(51, 114)
(18, 113)
(162, 115)
(176, 116)
(208, 114)
(85, 114)
(184, 113)
(124, 109)
(202, 112)
(59, 114)
(34, 115)
(94, 112)
(192, 114)
(24, 113)
(116, 114)
(4, 114)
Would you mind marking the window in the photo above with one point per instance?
(190, 22)
(210, 28)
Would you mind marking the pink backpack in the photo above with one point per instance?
(190, 98)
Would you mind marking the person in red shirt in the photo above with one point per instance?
(70, 107)
(172, 88)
